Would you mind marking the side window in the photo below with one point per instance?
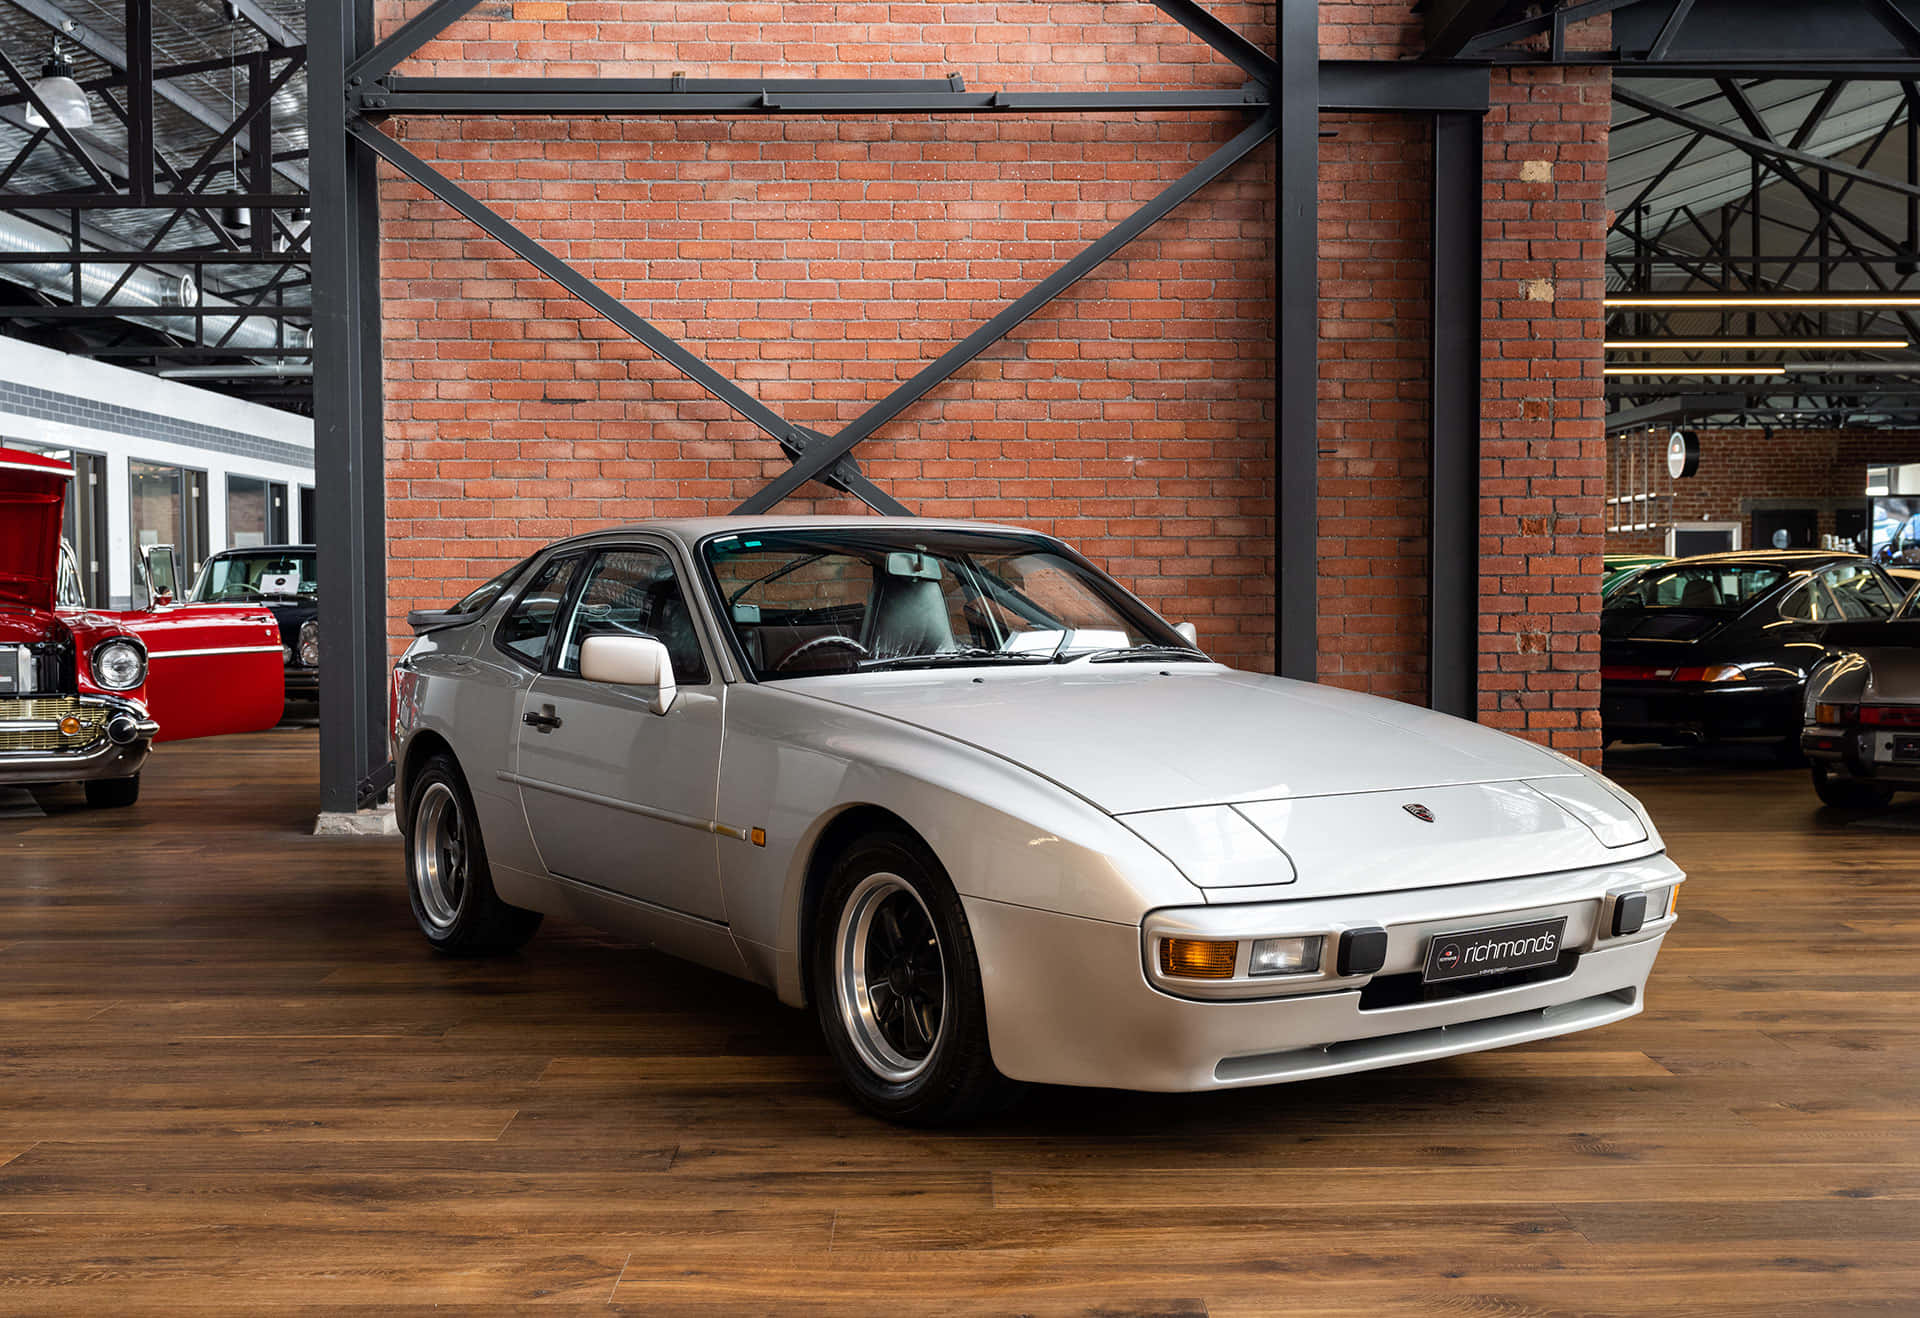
(634, 592)
(1859, 592)
(526, 628)
(1800, 606)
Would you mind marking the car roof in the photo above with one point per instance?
(265, 549)
(1796, 558)
(690, 530)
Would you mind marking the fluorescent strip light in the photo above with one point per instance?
(1811, 301)
(1743, 345)
(1693, 370)
(1854, 368)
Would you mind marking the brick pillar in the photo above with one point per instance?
(1543, 454)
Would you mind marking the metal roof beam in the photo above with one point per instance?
(105, 48)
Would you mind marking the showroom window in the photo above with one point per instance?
(84, 522)
(246, 512)
(256, 512)
(169, 507)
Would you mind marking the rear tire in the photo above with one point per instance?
(448, 881)
(896, 987)
(113, 793)
(1849, 793)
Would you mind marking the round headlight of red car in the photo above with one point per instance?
(119, 664)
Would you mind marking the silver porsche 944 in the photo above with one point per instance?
(997, 821)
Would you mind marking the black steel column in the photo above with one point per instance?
(1453, 483)
(1296, 443)
(348, 428)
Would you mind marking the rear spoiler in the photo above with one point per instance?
(1903, 634)
(433, 620)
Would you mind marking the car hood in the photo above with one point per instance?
(1133, 737)
(33, 492)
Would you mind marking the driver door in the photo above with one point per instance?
(617, 796)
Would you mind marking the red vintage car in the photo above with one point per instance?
(85, 693)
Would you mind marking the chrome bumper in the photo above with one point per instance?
(106, 758)
(1069, 1001)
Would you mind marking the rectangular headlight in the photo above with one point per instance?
(1285, 956)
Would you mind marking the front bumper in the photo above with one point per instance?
(1698, 711)
(303, 683)
(105, 758)
(1069, 1001)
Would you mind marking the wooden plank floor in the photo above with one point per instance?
(233, 1079)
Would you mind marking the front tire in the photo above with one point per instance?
(1849, 793)
(448, 882)
(896, 987)
(113, 793)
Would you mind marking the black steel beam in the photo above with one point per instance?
(1451, 24)
(1670, 29)
(1205, 25)
(1382, 85)
(139, 99)
(1671, 409)
(119, 201)
(1760, 147)
(348, 416)
(626, 318)
(409, 37)
(1453, 483)
(819, 457)
(596, 96)
(1296, 332)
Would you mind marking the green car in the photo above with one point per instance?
(1621, 566)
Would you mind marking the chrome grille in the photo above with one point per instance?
(45, 713)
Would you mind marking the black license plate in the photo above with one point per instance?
(1474, 952)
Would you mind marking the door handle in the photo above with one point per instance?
(545, 721)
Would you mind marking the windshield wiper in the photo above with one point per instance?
(1121, 654)
(951, 658)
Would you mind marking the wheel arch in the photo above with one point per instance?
(836, 834)
(422, 746)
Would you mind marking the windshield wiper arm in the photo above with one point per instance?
(954, 658)
(1122, 653)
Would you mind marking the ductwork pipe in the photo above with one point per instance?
(270, 371)
(143, 288)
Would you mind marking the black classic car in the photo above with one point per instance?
(282, 577)
(1719, 647)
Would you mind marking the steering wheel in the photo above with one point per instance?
(831, 638)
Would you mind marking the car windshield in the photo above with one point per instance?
(253, 577)
(803, 603)
(1711, 587)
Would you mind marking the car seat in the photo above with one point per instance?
(907, 615)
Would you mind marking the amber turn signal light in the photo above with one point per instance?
(1197, 958)
(70, 726)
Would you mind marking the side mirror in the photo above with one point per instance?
(162, 579)
(1188, 632)
(630, 661)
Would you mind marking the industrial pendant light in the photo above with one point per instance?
(60, 93)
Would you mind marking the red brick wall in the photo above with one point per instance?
(1821, 469)
(818, 262)
(1376, 176)
(1543, 448)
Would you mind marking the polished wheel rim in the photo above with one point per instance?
(893, 981)
(440, 856)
